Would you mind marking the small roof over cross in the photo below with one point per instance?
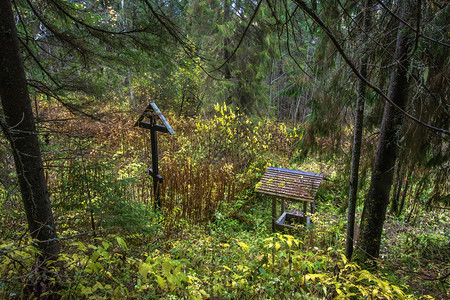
(153, 114)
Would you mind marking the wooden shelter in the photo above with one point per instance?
(293, 185)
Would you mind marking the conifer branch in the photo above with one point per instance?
(417, 31)
(352, 66)
(242, 37)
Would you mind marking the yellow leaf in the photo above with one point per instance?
(277, 246)
(399, 292)
(364, 274)
(374, 293)
(227, 268)
(244, 246)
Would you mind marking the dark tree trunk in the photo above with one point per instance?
(21, 132)
(357, 138)
(374, 212)
(226, 40)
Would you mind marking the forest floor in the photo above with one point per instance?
(418, 251)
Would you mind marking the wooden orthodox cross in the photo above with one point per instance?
(148, 120)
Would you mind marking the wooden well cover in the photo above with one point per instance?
(291, 184)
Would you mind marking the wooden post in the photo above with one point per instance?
(305, 211)
(274, 213)
(283, 206)
(154, 146)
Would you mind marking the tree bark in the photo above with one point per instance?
(377, 200)
(21, 132)
(226, 40)
(357, 136)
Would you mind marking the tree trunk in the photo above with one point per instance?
(357, 138)
(21, 132)
(226, 40)
(377, 200)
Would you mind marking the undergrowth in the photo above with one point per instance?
(212, 236)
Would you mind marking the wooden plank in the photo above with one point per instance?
(288, 185)
(287, 196)
(288, 188)
(292, 175)
(293, 171)
(161, 117)
(303, 181)
(287, 193)
(292, 180)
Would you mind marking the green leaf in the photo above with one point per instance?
(160, 281)
(144, 269)
(92, 267)
(86, 291)
(105, 245)
(166, 266)
(97, 286)
(80, 246)
(121, 243)
(95, 255)
(177, 270)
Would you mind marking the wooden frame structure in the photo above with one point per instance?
(294, 185)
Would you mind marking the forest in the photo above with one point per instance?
(137, 138)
